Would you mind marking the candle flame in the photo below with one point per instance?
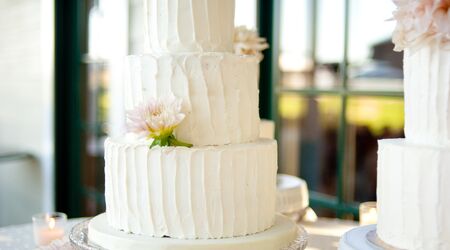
(51, 223)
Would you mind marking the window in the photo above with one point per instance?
(339, 90)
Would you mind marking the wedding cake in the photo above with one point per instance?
(413, 193)
(413, 189)
(192, 172)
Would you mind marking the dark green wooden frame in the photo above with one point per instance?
(69, 23)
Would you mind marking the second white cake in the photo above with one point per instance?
(413, 195)
(427, 95)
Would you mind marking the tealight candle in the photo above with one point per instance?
(48, 227)
(368, 213)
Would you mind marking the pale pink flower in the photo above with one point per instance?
(248, 42)
(419, 21)
(442, 17)
(155, 118)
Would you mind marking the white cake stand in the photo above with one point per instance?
(363, 238)
(79, 239)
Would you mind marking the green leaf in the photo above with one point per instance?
(164, 141)
(174, 142)
(156, 142)
(169, 140)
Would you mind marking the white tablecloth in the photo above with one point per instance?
(324, 234)
(20, 237)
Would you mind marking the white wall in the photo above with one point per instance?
(26, 92)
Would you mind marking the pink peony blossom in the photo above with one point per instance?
(442, 17)
(419, 21)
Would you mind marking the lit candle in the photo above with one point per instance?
(48, 227)
(368, 213)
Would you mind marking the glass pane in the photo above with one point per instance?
(330, 31)
(373, 63)
(94, 115)
(105, 22)
(369, 119)
(329, 43)
(295, 60)
(308, 139)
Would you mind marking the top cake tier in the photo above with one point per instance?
(189, 25)
(427, 94)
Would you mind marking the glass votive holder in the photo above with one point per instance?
(368, 213)
(48, 227)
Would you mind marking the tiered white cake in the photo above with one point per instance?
(225, 185)
(413, 186)
(414, 173)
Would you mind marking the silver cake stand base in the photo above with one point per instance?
(79, 238)
(364, 238)
(373, 239)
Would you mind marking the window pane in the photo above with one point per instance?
(312, 38)
(329, 43)
(369, 119)
(295, 60)
(330, 31)
(308, 139)
(94, 115)
(373, 63)
(106, 45)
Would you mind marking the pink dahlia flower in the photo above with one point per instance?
(156, 118)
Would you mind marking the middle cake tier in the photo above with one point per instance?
(219, 93)
(200, 192)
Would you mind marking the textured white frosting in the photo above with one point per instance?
(219, 92)
(277, 237)
(427, 95)
(199, 192)
(267, 129)
(413, 195)
(189, 25)
(292, 194)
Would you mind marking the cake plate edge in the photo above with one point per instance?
(80, 241)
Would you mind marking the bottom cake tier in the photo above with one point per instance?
(413, 195)
(190, 193)
(283, 235)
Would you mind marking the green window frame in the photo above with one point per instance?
(68, 127)
(71, 125)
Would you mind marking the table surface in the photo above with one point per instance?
(21, 236)
(323, 234)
